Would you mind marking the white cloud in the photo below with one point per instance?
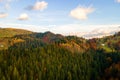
(81, 13)
(118, 1)
(3, 15)
(23, 16)
(38, 6)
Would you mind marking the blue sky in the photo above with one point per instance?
(59, 16)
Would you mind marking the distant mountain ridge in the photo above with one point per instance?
(11, 36)
(71, 43)
(96, 33)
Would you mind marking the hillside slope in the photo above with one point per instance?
(10, 32)
(6, 35)
(109, 43)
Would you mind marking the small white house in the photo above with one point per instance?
(103, 44)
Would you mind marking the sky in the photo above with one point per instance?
(59, 16)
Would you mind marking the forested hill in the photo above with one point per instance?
(10, 32)
(26, 55)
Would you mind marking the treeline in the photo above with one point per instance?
(51, 62)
